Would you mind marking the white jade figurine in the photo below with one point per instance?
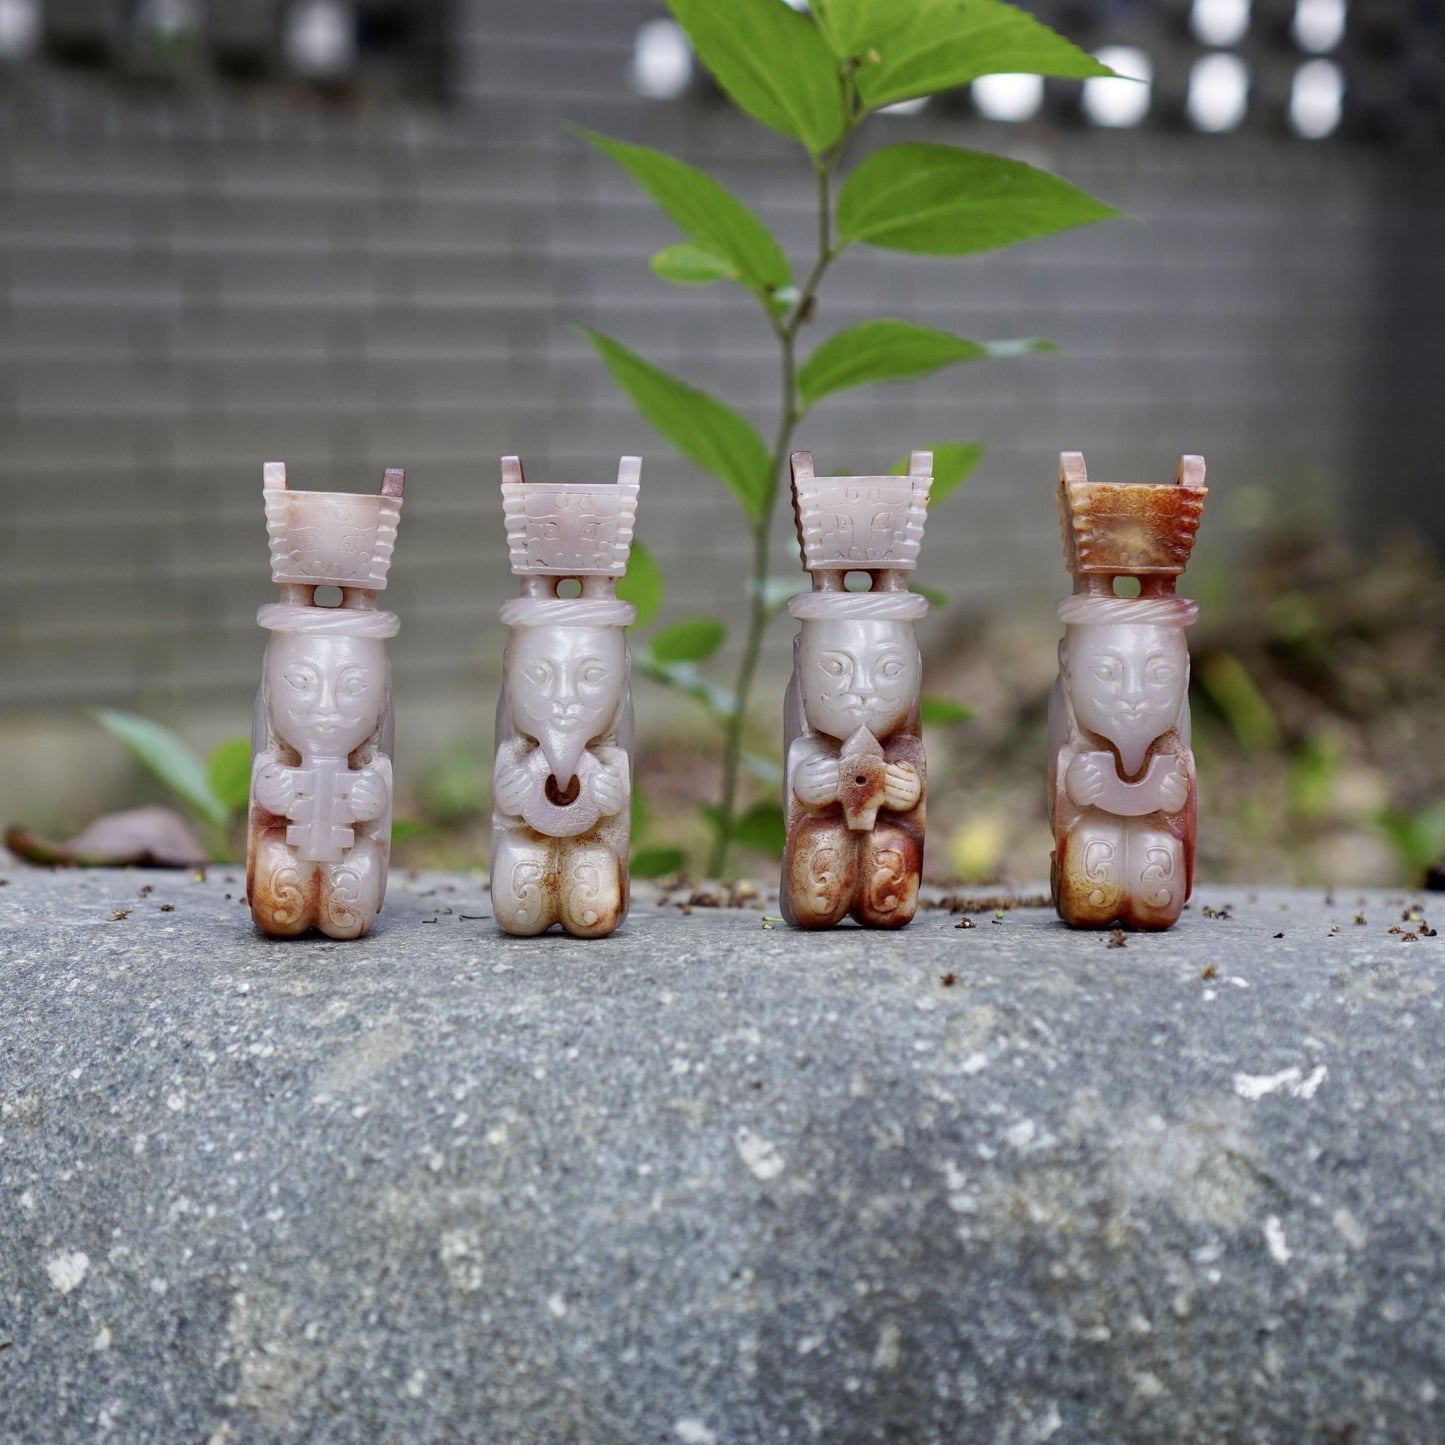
(320, 817)
(1121, 774)
(855, 772)
(562, 782)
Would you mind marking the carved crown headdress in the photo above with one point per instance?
(559, 529)
(1114, 529)
(861, 524)
(331, 539)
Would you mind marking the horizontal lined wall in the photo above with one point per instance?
(193, 284)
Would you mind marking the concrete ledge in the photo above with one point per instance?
(709, 1182)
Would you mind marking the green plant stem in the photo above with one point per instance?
(759, 613)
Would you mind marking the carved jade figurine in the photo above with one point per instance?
(1121, 775)
(320, 821)
(562, 782)
(855, 772)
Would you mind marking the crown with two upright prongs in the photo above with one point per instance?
(559, 529)
(861, 524)
(1129, 529)
(331, 539)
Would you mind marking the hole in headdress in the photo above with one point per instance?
(326, 597)
(1126, 587)
(568, 587)
(859, 582)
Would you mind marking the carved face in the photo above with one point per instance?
(1127, 682)
(565, 684)
(857, 674)
(325, 694)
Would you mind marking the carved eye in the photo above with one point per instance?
(891, 670)
(594, 674)
(353, 684)
(537, 674)
(1161, 673)
(1106, 669)
(300, 678)
(833, 666)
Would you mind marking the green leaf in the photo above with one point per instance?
(698, 425)
(170, 759)
(943, 712)
(877, 351)
(946, 201)
(643, 584)
(766, 770)
(934, 596)
(688, 264)
(711, 814)
(657, 862)
(773, 62)
(926, 46)
(762, 827)
(228, 773)
(706, 212)
(692, 641)
(775, 592)
(640, 811)
(721, 702)
(953, 464)
(1245, 708)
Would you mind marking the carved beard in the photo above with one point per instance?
(563, 749)
(1133, 742)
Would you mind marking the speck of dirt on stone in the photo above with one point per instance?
(761, 1155)
(67, 1269)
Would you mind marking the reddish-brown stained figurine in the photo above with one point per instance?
(320, 819)
(1121, 773)
(855, 779)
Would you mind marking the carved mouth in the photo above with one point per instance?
(325, 725)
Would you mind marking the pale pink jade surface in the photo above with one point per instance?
(320, 818)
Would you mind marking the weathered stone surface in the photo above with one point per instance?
(704, 1181)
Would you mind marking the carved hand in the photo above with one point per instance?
(512, 786)
(1086, 779)
(369, 795)
(816, 781)
(276, 788)
(1174, 790)
(609, 787)
(901, 786)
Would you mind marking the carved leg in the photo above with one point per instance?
(1157, 886)
(887, 894)
(524, 883)
(820, 873)
(1090, 873)
(592, 898)
(351, 891)
(281, 889)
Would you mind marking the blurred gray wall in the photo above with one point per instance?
(195, 279)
